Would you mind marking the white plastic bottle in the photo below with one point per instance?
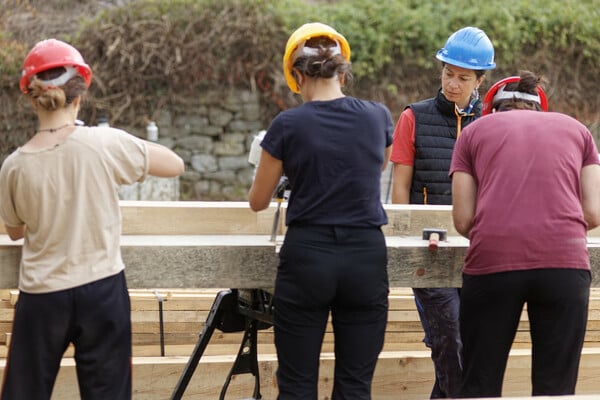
(103, 122)
(152, 132)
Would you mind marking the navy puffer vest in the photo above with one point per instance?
(436, 125)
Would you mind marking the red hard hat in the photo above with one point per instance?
(52, 53)
(488, 100)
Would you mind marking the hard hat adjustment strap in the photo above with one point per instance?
(60, 80)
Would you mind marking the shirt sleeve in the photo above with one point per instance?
(128, 157)
(389, 127)
(272, 143)
(8, 212)
(403, 148)
(590, 151)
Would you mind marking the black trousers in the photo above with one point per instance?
(95, 318)
(323, 269)
(557, 306)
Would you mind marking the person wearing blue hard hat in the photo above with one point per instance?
(424, 139)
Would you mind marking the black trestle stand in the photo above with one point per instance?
(234, 310)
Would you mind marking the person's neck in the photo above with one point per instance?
(51, 121)
(322, 90)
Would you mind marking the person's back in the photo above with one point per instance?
(332, 157)
(333, 260)
(526, 188)
(59, 193)
(67, 197)
(529, 162)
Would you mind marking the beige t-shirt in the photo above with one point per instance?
(67, 197)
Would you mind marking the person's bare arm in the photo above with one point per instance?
(464, 200)
(164, 162)
(590, 195)
(268, 174)
(15, 232)
(402, 179)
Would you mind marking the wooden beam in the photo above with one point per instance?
(226, 245)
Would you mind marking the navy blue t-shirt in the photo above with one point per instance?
(332, 153)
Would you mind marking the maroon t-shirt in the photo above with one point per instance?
(527, 167)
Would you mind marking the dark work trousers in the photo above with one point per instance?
(491, 305)
(438, 310)
(323, 269)
(94, 317)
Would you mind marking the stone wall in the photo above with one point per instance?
(213, 134)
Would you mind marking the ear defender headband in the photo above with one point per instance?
(497, 93)
(502, 95)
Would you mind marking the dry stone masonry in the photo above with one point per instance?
(213, 134)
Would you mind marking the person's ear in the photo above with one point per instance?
(480, 81)
(298, 77)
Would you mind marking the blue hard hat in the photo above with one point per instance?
(468, 48)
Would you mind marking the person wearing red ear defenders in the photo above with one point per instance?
(525, 191)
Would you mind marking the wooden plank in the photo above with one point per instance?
(233, 218)
(185, 312)
(406, 375)
(194, 218)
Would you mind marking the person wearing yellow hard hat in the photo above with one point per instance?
(333, 261)
(58, 192)
(423, 141)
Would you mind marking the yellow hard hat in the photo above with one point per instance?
(299, 37)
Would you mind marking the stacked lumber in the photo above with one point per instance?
(174, 246)
(184, 312)
(405, 366)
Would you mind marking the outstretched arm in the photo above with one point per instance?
(164, 162)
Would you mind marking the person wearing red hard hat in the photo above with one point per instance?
(423, 141)
(525, 188)
(333, 261)
(52, 53)
(58, 192)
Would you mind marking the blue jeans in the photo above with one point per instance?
(439, 312)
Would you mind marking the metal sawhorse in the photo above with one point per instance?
(234, 310)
